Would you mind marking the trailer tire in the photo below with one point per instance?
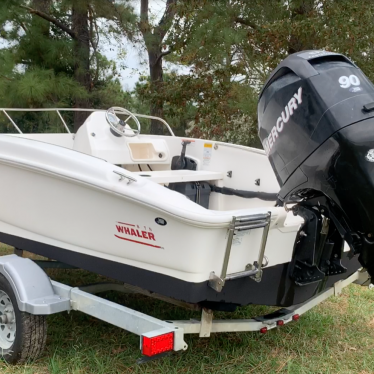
(23, 335)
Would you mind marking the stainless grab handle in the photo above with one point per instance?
(122, 176)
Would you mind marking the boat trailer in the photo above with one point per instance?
(36, 294)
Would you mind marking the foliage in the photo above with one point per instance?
(228, 47)
(40, 67)
(232, 46)
(177, 114)
(153, 38)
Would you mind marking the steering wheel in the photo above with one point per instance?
(119, 126)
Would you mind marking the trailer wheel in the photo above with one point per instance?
(22, 335)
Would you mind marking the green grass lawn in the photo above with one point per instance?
(335, 337)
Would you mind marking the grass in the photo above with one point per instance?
(335, 337)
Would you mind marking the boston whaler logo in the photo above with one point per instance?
(285, 116)
(132, 233)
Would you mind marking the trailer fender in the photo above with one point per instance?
(32, 287)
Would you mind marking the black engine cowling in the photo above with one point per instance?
(316, 123)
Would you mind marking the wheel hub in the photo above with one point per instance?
(7, 321)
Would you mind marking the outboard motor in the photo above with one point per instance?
(316, 124)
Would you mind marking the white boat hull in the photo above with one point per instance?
(76, 208)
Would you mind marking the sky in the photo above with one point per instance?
(129, 75)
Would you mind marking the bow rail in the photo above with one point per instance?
(58, 110)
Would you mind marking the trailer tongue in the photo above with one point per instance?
(316, 123)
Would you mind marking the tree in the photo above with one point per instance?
(153, 39)
(55, 55)
(178, 114)
(57, 59)
(81, 52)
(232, 46)
(38, 71)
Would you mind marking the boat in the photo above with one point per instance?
(204, 222)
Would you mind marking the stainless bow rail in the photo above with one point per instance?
(254, 270)
(58, 110)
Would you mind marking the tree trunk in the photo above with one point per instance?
(81, 51)
(153, 41)
(156, 75)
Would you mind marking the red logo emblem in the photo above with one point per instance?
(133, 232)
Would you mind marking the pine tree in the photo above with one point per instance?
(53, 54)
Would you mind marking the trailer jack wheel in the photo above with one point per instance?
(22, 335)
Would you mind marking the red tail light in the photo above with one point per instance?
(295, 317)
(263, 330)
(280, 322)
(158, 344)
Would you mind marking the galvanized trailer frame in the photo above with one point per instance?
(38, 295)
